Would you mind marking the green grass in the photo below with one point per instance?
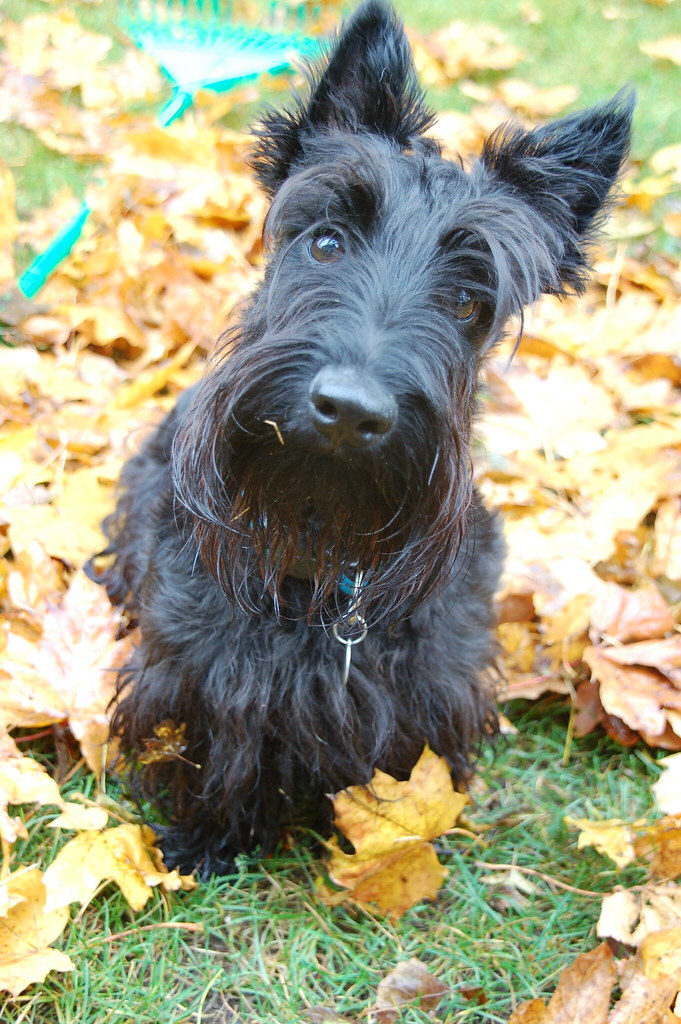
(270, 949)
(575, 43)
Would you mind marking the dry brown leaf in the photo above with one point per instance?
(22, 781)
(408, 983)
(564, 411)
(463, 48)
(650, 983)
(664, 655)
(509, 887)
(102, 325)
(26, 931)
(153, 380)
(322, 1015)
(168, 744)
(645, 1002)
(390, 823)
(79, 818)
(121, 855)
(582, 995)
(640, 697)
(532, 1012)
(54, 47)
(667, 159)
(624, 615)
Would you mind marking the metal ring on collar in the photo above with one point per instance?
(351, 641)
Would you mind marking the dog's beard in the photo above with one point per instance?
(268, 500)
(270, 513)
(323, 525)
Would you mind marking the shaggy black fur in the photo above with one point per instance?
(332, 434)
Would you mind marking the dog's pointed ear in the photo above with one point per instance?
(367, 83)
(566, 171)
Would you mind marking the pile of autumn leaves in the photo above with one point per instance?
(582, 453)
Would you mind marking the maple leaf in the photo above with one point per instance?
(69, 674)
(463, 48)
(34, 581)
(659, 842)
(651, 981)
(22, 780)
(54, 47)
(664, 655)
(661, 954)
(645, 1001)
(389, 824)
(536, 102)
(122, 855)
(27, 928)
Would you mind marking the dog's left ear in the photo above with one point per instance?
(366, 84)
(565, 171)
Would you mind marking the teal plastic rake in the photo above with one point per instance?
(214, 44)
(199, 44)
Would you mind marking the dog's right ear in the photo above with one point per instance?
(366, 84)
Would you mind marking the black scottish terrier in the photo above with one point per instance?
(301, 540)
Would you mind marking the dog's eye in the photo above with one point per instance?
(326, 248)
(465, 307)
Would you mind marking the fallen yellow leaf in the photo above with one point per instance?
(26, 931)
(628, 916)
(390, 823)
(121, 855)
(614, 838)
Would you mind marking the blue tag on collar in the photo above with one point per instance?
(347, 586)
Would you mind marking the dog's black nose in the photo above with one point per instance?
(350, 408)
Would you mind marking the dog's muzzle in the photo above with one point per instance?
(348, 407)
